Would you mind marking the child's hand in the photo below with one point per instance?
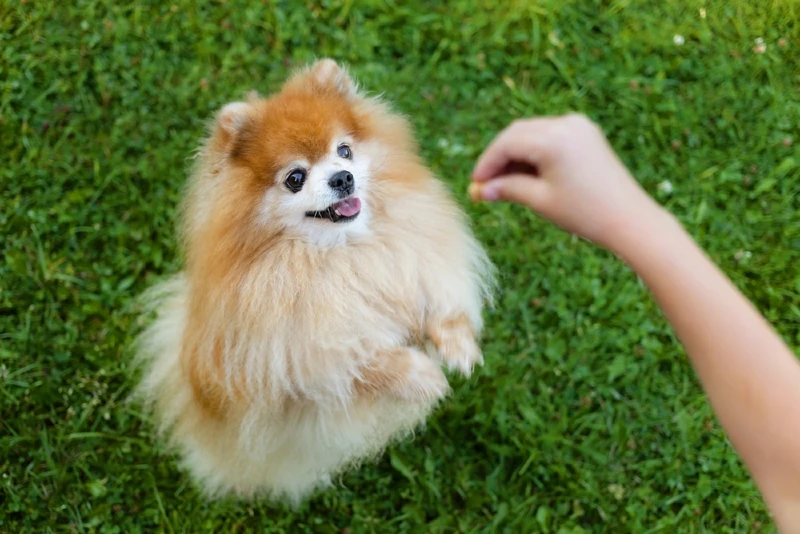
(564, 169)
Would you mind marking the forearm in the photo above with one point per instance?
(564, 169)
(750, 375)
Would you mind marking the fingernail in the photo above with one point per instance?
(490, 193)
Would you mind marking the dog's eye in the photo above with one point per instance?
(344, 152)
(294, 182)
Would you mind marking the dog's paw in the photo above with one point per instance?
(460, 352)
(424, 379)
(455, 344)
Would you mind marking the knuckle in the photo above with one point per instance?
(585, 123)
(574, 125)
(517, 134)
(517, 125)
(579, 120)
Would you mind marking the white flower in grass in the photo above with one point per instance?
(678, 39)
(702, 13)
(452, 149)
(666, 187)
(760, 46)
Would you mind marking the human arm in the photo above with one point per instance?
(564, 169)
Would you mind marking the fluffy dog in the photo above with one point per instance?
(327, 276)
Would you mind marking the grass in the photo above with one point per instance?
(586, 417)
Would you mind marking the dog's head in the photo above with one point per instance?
(305, 161)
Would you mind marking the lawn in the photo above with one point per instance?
(586, 416)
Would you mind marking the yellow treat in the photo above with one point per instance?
(474, 191)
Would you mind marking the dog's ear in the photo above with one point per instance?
(325, 76)
(328, 73)
(231, 121)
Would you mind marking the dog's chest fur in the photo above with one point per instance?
(360, 297)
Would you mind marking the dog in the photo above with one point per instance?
(328, 278)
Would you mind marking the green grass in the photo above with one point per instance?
(586, 417)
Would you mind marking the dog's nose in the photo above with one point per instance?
(342, 182)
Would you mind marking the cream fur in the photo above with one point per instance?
(303, 323)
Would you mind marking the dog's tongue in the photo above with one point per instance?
(348, 207)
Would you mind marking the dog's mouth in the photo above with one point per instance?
(342, 211)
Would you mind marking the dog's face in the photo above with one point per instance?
(322, 192)
(302, 161)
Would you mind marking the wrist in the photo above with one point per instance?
(646, 233)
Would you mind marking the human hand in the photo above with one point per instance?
(564, 169)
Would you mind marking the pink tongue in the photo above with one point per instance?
(348, 207)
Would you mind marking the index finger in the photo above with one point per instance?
(520, 142)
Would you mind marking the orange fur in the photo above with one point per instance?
(290, 348)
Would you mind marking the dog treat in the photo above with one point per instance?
(474, 191)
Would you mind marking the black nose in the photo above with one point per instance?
(342, 182)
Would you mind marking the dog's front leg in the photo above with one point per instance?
(454, 339)
(404, 372)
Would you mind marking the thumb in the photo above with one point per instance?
(518, 188)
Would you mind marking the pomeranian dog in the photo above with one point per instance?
(328, 277)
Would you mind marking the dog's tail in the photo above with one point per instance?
(157, 348)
